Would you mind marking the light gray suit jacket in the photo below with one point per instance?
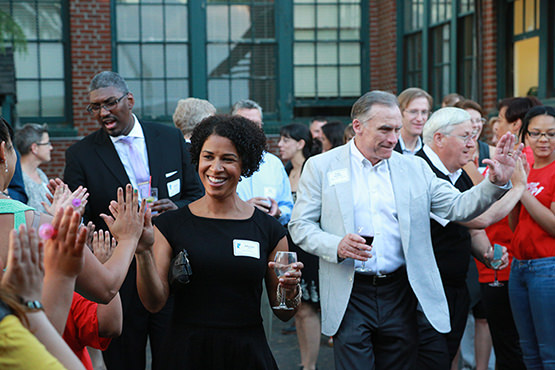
(323, 215)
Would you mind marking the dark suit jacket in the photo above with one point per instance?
(94, 163)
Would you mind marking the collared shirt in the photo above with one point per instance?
(453, 177)
(376, 213)
(272, 181)
(436, 161)
(139, 145)
(408, 151)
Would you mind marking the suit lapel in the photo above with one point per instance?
(344, 190)
(154, 150)
(399, 175)
(107, 153)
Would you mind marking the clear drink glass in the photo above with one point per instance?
(495, 263)
(284, 263)
(369, 239)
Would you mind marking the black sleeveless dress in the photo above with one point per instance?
(216, 322)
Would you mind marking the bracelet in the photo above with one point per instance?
(33, 305)
(294, 302)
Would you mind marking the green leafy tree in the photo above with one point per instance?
(11, 31)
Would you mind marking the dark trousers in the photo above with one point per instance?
(436, 350)
(504, 335)
(378, 330)
(128, 351)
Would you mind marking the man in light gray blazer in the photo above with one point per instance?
(364, 188)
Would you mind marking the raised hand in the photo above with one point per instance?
(147, 237)
(24, 266)
(502, 164)
(127, 219)
(64, 251)
(64, 198)
(103, 245)
(52, 186)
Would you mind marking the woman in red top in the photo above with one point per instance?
(532, 280)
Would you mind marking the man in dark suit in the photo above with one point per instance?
(147, 155)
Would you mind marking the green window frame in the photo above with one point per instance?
(43, 78)
(237, 49)
(151, 51)
(438, 40)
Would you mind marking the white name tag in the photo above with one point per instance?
(174, 187)
(246, 248)
(338, 176)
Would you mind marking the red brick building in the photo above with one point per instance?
(297, 58)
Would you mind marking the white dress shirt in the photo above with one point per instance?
(139, 145)
(375, 211)
(405, 150)
(453, 177)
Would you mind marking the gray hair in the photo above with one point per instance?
(189, 112)
(362, 106)
(246, 104)
(443, 120)
(108, 79)
(27, 135)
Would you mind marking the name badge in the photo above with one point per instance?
(338, 176)
(174, 187)
(246, 248)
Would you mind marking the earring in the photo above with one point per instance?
(6, 169)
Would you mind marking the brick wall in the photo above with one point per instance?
(489, 41)
(383, 45)
(91, 52)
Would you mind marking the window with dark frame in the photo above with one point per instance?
(41, 74)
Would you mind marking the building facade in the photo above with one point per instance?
(297, 58)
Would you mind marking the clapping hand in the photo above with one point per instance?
(502, 164)
(24, 266)
(103, 245)
(63, 253)
(127, 219)
(63, 197)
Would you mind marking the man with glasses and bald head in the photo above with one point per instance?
(147, 155)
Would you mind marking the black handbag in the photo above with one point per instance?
(180, 270)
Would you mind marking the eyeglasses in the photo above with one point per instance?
(466, 138)
(416, 112)
(478, 120)
(535, 135)
(109, 105)
(47, 143)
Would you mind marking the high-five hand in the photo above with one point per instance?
(502, 165)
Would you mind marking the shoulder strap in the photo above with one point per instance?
(36, 220)
(16, 208)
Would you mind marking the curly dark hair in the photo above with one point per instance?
(248, 138)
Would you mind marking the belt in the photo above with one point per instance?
(377, 280)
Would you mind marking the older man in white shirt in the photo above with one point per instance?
(372, 314)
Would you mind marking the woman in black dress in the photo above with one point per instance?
(231, 245)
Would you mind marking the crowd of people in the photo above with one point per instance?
(402, 221)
